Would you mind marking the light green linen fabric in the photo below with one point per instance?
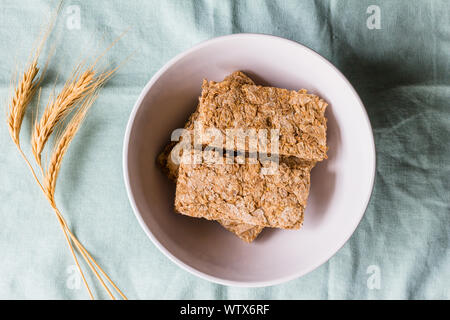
(401, 71)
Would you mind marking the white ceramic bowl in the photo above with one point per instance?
(340, 189)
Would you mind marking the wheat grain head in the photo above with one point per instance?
(74, 90)
(22, 96)
(62, 144)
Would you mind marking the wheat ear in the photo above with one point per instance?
(57, 108)
(22, 96)
(61, 146)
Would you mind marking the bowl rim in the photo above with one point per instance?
(166, 252)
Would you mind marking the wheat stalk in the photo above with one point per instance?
(23, 93)
(51, 174)
(49, 184)
(54, 167)
(79, 92)
(22, 96)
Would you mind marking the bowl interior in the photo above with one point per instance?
(340, 187)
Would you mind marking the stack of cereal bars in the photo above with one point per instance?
(225, 181)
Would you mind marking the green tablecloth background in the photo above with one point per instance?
(401, 72)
